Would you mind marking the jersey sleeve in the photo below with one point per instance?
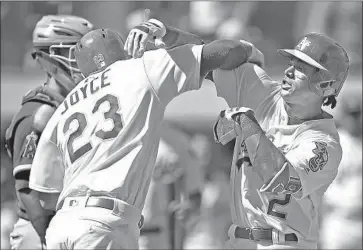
(47, 172)
(173, 72)
(245, 86)
(316, 162)
(25, 145)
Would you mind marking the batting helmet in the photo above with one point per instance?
(99, 49)
(54, 37)
(327, 56)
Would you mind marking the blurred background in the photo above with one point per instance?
(270, 26)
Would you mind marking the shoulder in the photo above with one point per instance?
(34, 122)
(123, 68)
(21, 120)
(153, 59)
(322, 140)
(42, 116)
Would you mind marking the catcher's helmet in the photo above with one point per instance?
(327, 56)
(99, 49)
(54, 34)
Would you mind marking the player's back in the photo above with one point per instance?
(107, 132)
(107, 129)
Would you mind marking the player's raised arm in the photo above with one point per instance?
(175, 71)
(160, 35)
(154, 34)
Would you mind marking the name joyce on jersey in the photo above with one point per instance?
(91, 86)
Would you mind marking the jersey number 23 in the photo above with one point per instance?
(111, 114)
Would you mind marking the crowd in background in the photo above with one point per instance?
(269, 25)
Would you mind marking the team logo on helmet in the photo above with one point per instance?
(30, 146)
(99, 60)
(303, 43)
(321, 157)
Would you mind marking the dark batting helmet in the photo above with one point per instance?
(327, 56)
(99, 49)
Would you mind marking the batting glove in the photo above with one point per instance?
(151, 31)
(234, 122)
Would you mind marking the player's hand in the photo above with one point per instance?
(151, 31)
(228, 124)
(233, 114)
(240, 116)
(226, 127)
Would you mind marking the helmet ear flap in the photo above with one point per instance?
(322, 84)
(326, 84)
(327, 88)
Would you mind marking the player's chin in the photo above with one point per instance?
(286, 93)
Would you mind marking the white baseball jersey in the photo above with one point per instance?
(313, 149)
(107, 129)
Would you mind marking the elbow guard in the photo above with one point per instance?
(283, 182)
(256, 56)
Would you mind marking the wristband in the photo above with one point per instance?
(160, 25)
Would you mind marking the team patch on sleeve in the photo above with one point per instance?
(320, 159)
(30, 145)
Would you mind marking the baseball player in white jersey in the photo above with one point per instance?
(107, 132)
(287, 149)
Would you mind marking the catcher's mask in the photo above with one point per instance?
(54, 38)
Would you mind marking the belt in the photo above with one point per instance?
(93, 202)
(106, 203)
(150, 230)
(260, 234)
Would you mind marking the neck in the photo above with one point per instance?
(300, 113)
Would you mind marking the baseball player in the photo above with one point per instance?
(174, 190)
(52, 38)
(107, 132)
(287, 150)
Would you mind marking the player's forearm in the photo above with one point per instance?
(264, 154)
(175, 37)
(266, 159)
(271, 164)
(38, 216)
